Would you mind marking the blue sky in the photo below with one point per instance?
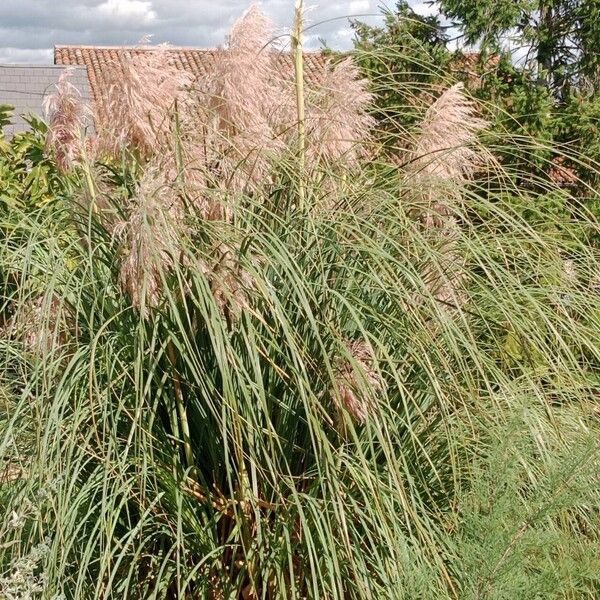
(30, 28)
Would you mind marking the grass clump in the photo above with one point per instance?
(233, 372)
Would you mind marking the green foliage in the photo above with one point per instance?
(532, 504)
(27, 176)
(576, 127)
(5, 113)
(403, 59)
(407, 61)
(538, 140)
(489, 19)
(521, 113)
(562, 35)
(295, 410)
(285, 492)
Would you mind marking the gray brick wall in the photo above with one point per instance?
(26, 86)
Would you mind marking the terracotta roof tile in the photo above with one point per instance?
(196, 61)
(561, 174)
(470, 67)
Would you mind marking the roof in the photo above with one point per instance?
(196, 61)
(26, 86)
(470, 67)
(562, 174)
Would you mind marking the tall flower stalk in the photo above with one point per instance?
(298, 55)
(447, 154)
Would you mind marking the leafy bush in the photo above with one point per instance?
(27, 175)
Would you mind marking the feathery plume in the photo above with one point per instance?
(230, 282)
(447, 146)
(251, 33)
(42, 325)
(242, 96)
(67, 115)
(151, 238)
(353, 377)
(339, 125)
(239, 117)
(141, 91)
(447, 154)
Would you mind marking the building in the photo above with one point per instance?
(25, 87)
(99, 60)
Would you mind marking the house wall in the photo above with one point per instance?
(26, 86)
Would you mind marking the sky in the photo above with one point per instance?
(29, 29)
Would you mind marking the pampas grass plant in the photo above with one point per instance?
(256, 402)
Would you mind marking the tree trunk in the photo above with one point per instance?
(546, 42)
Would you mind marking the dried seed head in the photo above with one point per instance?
(339, 125)
(42, 325)
(140, 92)
(236, 120)
(357, 381)
(68, 116)
(447, 147)
(251, 33)
(151, 236)
(230, 282)
(239, 100)
(447, 154)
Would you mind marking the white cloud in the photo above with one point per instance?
(25, 55)
(30, 28)
(136, 11)
(358, 7)
(426, 9)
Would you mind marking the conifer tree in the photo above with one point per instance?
(562, 37)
